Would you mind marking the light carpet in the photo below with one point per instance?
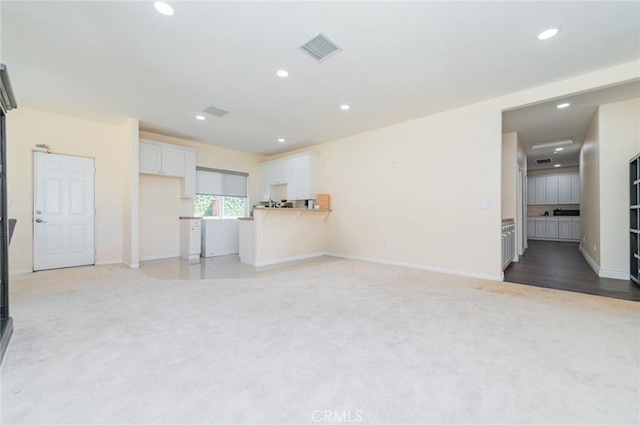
(321, 341)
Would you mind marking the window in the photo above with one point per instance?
(220, 206)
(220, 193)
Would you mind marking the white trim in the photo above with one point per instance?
(16, 272)
(160, 257)
(288, 259)
(591, 261)
(614, 274)
(497, 277)
(516, 259)
(132, 265)
(107, 262)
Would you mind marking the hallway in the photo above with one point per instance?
(560, 265)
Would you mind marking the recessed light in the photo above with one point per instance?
(200, 117)
(557, 165)
(282, 73)
(164, 8)
(547, 34)
(281, 140)
(559, 149)
(563, 105)
(345, 107)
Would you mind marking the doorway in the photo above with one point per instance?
(63, 211)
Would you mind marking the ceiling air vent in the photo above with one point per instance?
(543, 161)
(320, 47)
(212, 110)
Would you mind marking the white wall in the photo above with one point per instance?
(159, 196)
(69, 136)
(590, 193)
(410, 193)
(619, 127)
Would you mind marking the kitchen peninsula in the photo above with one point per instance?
(279, 235)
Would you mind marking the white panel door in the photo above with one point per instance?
(531, 228)
(150, 158)
(575, 230)
(63, 211)
(531, 190)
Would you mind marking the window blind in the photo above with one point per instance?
(210, 181)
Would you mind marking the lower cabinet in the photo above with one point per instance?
(554, 228)
(564, 229)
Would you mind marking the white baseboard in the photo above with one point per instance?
(614, 274)
(497, 277)
(16, 272)
(159, 257)
(289, 259)
(132, 265)
(516, 259)
(590, 261)
(107, 262)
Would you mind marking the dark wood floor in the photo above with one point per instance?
(559, 265)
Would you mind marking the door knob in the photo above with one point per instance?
(38, 212)
(39, 220)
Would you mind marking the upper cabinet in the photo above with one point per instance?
(298, 172)
(553, 189)
(169, 160)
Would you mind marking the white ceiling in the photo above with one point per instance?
(545, 123)
(401, 60)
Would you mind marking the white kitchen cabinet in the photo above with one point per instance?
(564, 189)
(575, 188)
(531, 190)
(541, 229)
(551, 229)
(551, 189)
(564, 229)
(531, 228)
(189, 186)
(265, 182)
(302, 176)
(190, 235)
(299, 172)
(150, 158)
(278, 173)
(541, 190)
(172, 161)
(169, 160)
(160, 158)
(576, 234)
(554, 189)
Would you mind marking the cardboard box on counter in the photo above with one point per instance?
(323, 201)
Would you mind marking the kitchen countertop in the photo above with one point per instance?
(245, 218)
(190, 218)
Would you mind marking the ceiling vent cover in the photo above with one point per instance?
(212, 110)
(543, 161)
(320, 47)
